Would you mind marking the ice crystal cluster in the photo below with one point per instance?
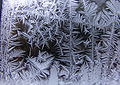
(60, 42)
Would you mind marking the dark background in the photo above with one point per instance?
(0, 9)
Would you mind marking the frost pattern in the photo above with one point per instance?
(60, 42)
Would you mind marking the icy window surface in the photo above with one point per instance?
(60, 42)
